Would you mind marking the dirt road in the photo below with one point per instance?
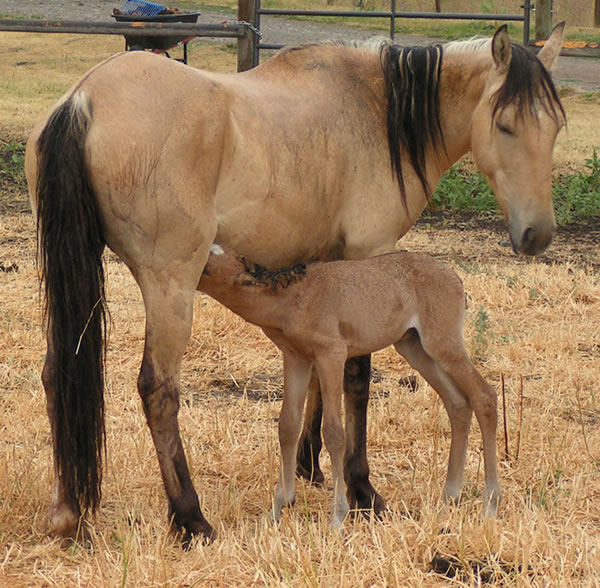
(583, 73)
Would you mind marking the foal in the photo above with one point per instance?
(325, 313)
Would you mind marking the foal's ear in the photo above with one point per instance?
(501, 48)
(552, 46)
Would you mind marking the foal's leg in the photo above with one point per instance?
(64, 518)
(361, 493)
(484, 403)
(296, 374)
(168, 303)
(446, 350)
(356, 467)
(457, 406)
(330, 370)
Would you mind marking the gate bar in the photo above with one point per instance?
(390, 14)
(120, 28)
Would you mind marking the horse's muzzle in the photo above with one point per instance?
(533, 239)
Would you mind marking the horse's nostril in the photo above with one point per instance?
(528, 239)
(536, 239)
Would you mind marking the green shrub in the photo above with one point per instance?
(578, 195)
(12, 159)
(575, 195)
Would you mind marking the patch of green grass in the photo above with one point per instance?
(12, 159)
(481, 337)
(578, 195)
(591, 97)
(449, 30)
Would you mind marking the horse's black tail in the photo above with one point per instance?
(70, 246)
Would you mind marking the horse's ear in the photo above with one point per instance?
(501, 48)
(552, 46)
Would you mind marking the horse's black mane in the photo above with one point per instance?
(528, 84)
(274, 279)
(412, 77)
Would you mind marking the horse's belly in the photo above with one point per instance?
(276, 239)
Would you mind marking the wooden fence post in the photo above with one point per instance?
(597, 13)
(543, 19)
(246, 45)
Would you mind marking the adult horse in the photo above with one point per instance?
(324, 152)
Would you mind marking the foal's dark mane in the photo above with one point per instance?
(274, 279)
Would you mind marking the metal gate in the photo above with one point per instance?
(250, 11)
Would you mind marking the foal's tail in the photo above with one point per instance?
(70, 246)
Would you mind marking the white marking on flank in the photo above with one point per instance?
(216, 249)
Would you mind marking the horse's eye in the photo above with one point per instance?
(504, 129)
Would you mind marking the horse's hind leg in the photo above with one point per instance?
(64, 518)
(169, 304)
(484, 403)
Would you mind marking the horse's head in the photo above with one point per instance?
(514, 127)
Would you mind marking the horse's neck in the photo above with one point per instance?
(464, 77)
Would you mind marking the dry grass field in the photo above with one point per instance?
(533, 323)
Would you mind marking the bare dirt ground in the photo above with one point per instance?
(582, 73)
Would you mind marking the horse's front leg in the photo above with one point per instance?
(361, 493)
(310, 445)
(168, 327)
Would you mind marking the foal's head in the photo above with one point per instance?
(514, 127)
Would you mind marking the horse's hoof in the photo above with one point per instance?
(314, 475)
(68, 527)
(364, 498)
(194, 531)
(189, 539)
